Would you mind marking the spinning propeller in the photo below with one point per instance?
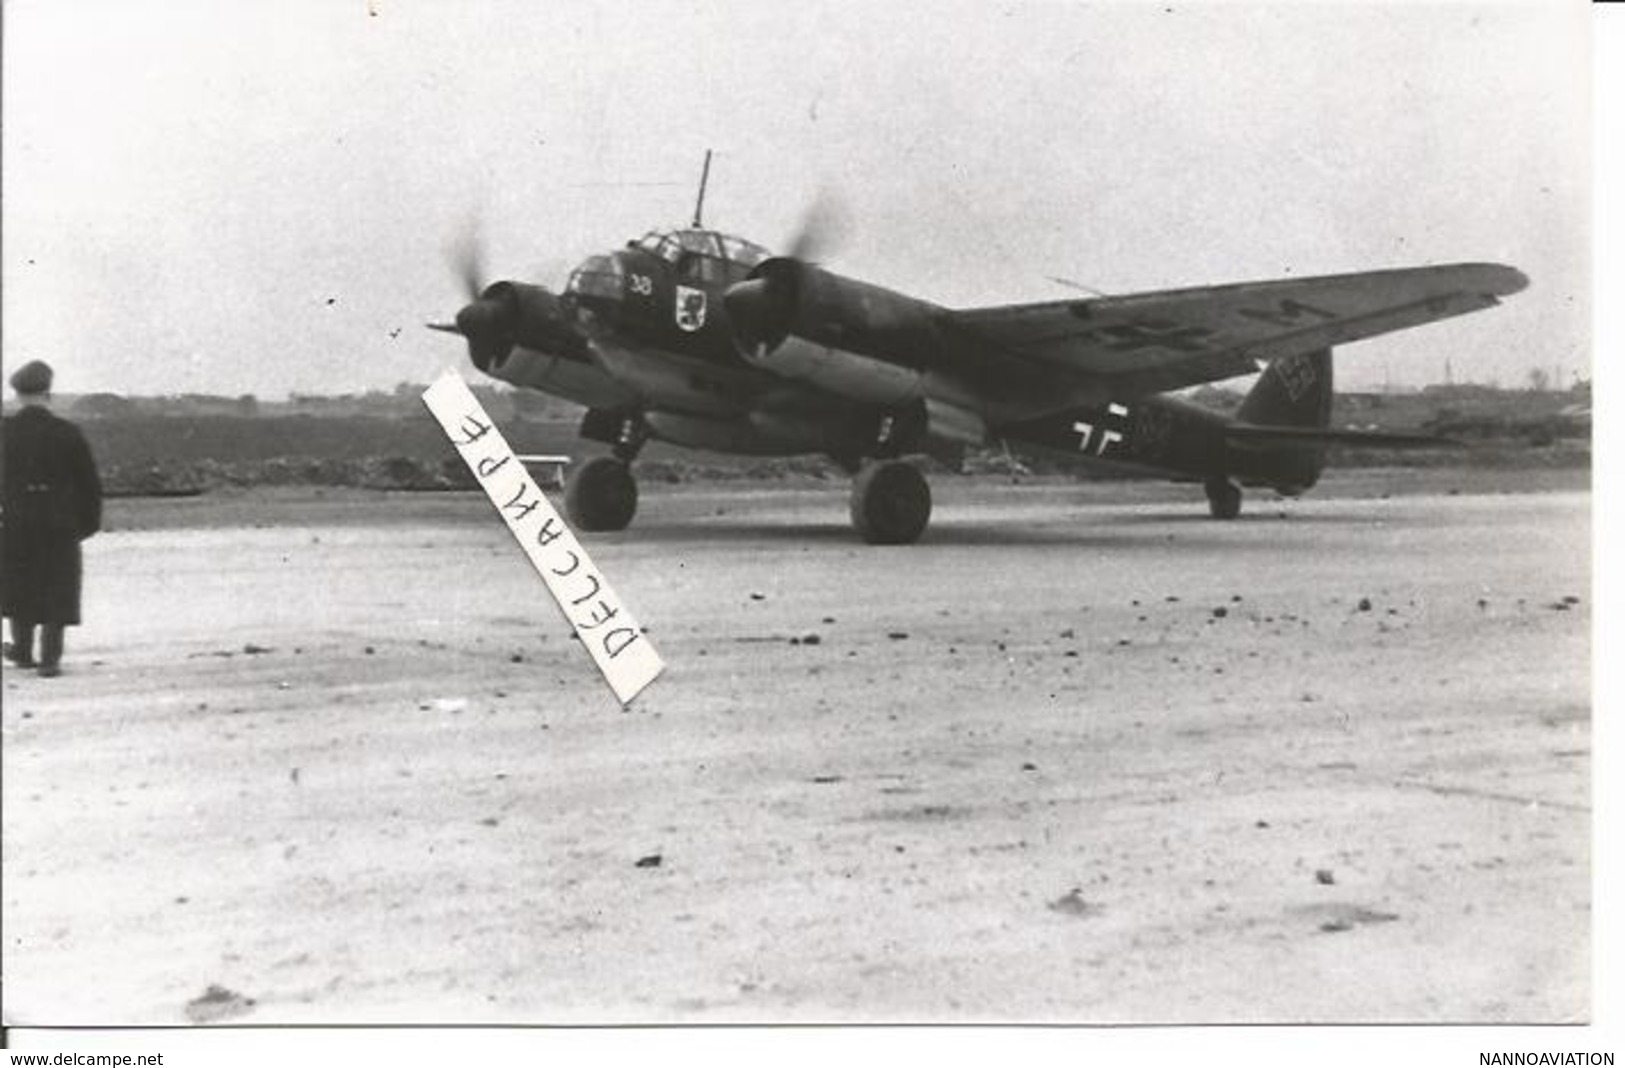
(822, 231)
(489, 318)
(761, 307)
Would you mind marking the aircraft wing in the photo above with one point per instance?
(1153, 342)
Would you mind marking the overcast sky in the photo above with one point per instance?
(258, 196)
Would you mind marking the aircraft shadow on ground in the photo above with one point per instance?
(1264, 516)
(1116, 532)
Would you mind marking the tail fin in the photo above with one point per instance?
(1291, 404)
(1293, 391)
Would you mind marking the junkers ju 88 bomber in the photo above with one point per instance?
(706, 340)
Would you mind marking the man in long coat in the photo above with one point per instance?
(52, 502)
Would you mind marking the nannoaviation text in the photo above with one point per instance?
(1545, 1058)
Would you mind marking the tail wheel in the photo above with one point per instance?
(601, 495)
(1223, 499)
(891, 503)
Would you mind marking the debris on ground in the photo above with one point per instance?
(218, 1003)
(1335, 918)
(1072, 904)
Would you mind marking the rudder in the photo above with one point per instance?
(1292, 391)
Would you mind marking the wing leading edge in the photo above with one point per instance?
(1154, 342)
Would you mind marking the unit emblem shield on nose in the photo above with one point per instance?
(690, 308)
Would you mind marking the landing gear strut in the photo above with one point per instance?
(1223, 498)
(891, 503)
(601, 494)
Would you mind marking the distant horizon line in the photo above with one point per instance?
(300, 396)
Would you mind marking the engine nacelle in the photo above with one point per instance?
(738, 435)
(845, 433)
(950, 422)
(852, 338)
(515, 313)
(580, 381)
(538, 319)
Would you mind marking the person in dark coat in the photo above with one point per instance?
(52, 501)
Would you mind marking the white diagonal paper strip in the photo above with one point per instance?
(617, 644)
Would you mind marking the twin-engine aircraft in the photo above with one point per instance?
(706, 340)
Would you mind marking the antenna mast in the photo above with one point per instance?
(699, 205)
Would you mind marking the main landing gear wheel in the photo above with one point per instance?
(1223, 498)
(891, 503)
(601, 495)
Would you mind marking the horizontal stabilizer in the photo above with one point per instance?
(1250, 434)
(445, 328)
